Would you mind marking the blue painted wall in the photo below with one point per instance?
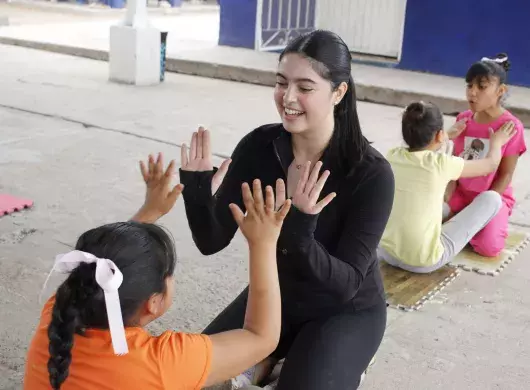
(446, 37)
(238, 23)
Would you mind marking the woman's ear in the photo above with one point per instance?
(340, 92)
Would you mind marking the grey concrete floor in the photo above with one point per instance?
(70, 140)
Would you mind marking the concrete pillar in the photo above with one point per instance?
(134, 55)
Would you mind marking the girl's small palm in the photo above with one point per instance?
(160, 196)
(504, 134)
(199, 158)
(261, 224)
(457, 129)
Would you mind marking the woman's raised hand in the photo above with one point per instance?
(305, 197)
(199, 158)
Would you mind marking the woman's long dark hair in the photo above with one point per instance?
(332, 61)
(144, 253)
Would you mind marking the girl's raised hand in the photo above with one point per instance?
(503, 135)
(160, 196)
(262, 223)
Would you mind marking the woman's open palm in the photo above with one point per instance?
(305, 197)
(308, 189)
(200, 158)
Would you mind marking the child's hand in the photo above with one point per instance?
(501, 137)
(160, 197)
(261, 224)
(457, 129)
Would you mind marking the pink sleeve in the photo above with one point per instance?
(516, 146)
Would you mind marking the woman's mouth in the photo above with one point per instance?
(292, 112)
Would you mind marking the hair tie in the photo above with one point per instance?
(109, 281)
(497, 60)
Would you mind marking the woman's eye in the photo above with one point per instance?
(304, 89)
(281, 83)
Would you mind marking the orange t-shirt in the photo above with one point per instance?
(176, 361)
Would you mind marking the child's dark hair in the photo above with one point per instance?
(489, 68)
(144, 253)
(420, 123)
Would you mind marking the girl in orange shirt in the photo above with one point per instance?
(91, 334)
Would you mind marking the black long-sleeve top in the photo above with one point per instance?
(324, 261)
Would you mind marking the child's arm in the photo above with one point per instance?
(491, 162)
(504, 174)
(454, 132)
(237, 350)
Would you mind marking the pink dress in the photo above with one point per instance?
(473, 144)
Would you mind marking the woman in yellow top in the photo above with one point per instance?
(415, 238)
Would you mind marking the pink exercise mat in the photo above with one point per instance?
(10, 204)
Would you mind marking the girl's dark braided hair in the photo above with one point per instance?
(144, 253)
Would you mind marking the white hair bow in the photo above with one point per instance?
(497, 60)
(109, 281)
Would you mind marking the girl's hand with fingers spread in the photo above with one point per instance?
(503, 135)
(261, 224)
(199, 157)
(309, 188)
(160, 197)
(457, 129)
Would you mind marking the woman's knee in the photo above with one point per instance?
(341, 349)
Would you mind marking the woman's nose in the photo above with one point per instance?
(289, 95)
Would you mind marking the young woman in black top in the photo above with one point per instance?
(333, 303)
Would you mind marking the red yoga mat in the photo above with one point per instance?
(9, 204)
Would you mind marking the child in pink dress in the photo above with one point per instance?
(485, 92)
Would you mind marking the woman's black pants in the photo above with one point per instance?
(326, 353)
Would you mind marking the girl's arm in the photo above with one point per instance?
(504, 174)
(489, 164)
(237, 350)
(514, 149)
(187, 361)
